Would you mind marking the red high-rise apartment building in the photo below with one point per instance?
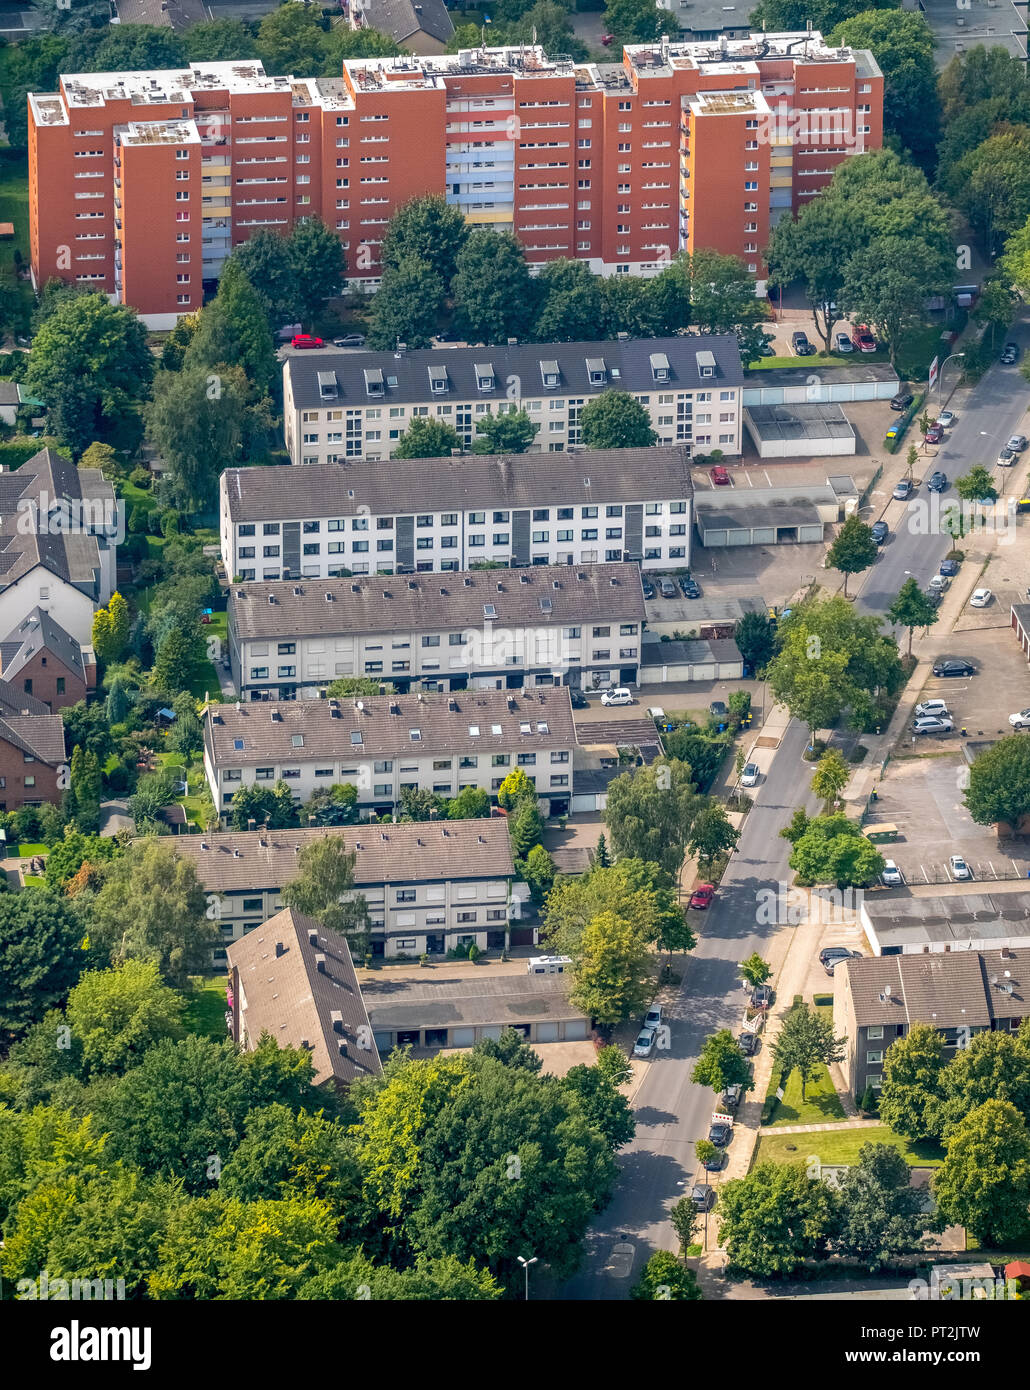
(141, 183)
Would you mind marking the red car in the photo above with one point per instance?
(305, 340)
(702, 895)
(934, 434)
(606, 40)
(719, 477)
(863, 339)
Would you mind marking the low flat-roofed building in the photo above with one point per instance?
(718, 659)
(462, 1011)
(966, 922)
(774, 515)
(577, 625)
(857, 381)
(877, 999)
(429, 885)
(294, 979)
(799, 431)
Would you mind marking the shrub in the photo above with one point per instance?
(141, 477)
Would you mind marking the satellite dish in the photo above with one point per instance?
(361, 704)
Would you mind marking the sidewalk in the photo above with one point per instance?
(812, 1129)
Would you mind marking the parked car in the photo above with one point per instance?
(702, 896)
(653, 1017)
(903, 490)
(981, 598)
(690, 588)
(1020, 720)
(747, 1041)
(619, 696)
(938, 482)
(644, 1045)
(940, 584)
(902, 400)
(702, 1196)
(713, 1164)
(959, 867)
(801, 345)
(719, 476)
(891, 874)
(305, 340)
(750, 775)
(880, 531)
(667, 587)
(350, 340)
(949, 568)
(953, 666)
(607, 40)
(1009, 354)
(831, 964)
(933, 724)
(843, 343)
(829, 953)
(933, 593)
(720, 1134)
(731, 1098)
(1006, 458)
(761, 996)
(934, 434)
(863, 339)
(648, 588)
(718, 709)
(946, 419)
(449, 338)
(579, 700)
(1016, 442)
(931, 707)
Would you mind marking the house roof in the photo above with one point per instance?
(536, 597)
(431, 851)
(382, 726)
(403, 18)
(37, 632)
(948, 989)
(955, 921)
(690, 652)
(630, 732)
(464, 483)
(482, 999)
(9, 393)
(28, 725)
(634, 365)
(302, 1005)
(171, 14)
(49, 488)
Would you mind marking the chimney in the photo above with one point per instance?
(280, 949)
(312, 938)
(337, 1020)
(251, 822)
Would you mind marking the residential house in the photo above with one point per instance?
(32, 751)
(45, 661)
(417, 26)
(575, 625)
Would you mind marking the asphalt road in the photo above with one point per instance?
(671, 1112)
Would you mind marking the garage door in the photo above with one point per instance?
(384, 1041)
(712, 538)
(462, 1037)
(810, 533)
(763, 535)
(739, 536)
(702, 672)
(547, 1032)
(491, 1030)
(522, 936)
(576, 1029)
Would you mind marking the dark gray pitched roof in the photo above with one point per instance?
(402, 18)
(405, 487)
(948, 989)
(541, 596)
(14, 701)
(39, 631)
(262, 860)
(39, 488)
(654, 652)
(628, 367)
(527, 720)
(173, 14)
(301, 1005)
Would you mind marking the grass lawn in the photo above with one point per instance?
(27, 851)
(842, 1146)
(820, 1106)
(205, 1012)
(34, 881)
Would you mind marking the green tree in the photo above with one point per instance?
(805, 1043)
(232, 331)
(774, 1219)
(316, 256)
(912, 1089)
(995, 1066)
(196, 421)
(721, 1063)
(324, 888)
(755, 970)
(912, 609)
(812, 248)
(271, 806)
(650, 814)
(41, 955)
(991, 185)
(755, 638)
(570, 302)
(711, 836)
(525, 827)
(494, 293)
(903, 46)
(510, 433)
(999, 783)
(637, 21)
(539, 872)
(888, 280)
(219, 40)
(853, 549)
(977, 485)
(721, 293)
(515, 789)
(173, 351)
(186, 736)
(118, 1014)
(85, 791)
(429, 232)
(683, 1215)
(291, 40)
(103, 457)
(418, 803)
(664, 1277)
(984, 1181)
(642, 893)
(834, 850)
(91, 364)
(151, 907)
(178, 655)
(788, 16)
(68, 855)
(615, 420)
(471, 803)
(607, 1110)
(264, 259)
(880, 1215)
(285, 1154)
(345, 686)
(426, 438)
(830, 777)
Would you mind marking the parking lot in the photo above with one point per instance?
(980, 704)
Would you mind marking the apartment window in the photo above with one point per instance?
(182, 195)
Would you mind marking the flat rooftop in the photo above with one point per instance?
(789, 423)
(483, 999)
(948, 920)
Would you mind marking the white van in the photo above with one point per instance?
(547, 965)
(619, 696)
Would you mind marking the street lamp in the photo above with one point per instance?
(940, 374)
(525, 1265)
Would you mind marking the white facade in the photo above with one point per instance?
(41, 588)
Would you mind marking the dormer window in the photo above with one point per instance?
(705, 363)
(328, 386)
(374, 385)
(549, 375)
(597, 371)
(659, 366)
(438, 381)
(485, 378)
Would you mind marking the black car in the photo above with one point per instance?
(1010, 354)
(713, 1164)
(702, 1196)
(933, 596)
(902, 400)
(720, 1134)
(880, 531)
(833, 953)
(718, 709)
(691, 588)
(748, 1042)
(648, 589)
(802, 347)
(938, 482)
(579, 700)
(953, 666)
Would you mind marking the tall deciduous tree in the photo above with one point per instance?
(805, 1043)
(999, 782)
(406, 306)
(853, 549)
(510, 433)
(570, 303)
(721, 1063)
(832, 849)
(831, 776)
(664, 1277)
(427, 230)
(774, 1219)
(912, 609)
(912, 1090)
(196, 422)
(612, 976)
(615, 420)
(316, 256)
(264, 259)
(650, 813)
(984, 1182)
(425, 438)
(233, 331)
(880, 1215)
(494, 294)
(41, 937)
(118, 1014)
(325, 876)
(903, 46)
(711, 836)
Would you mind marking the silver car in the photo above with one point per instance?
(749, 776)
